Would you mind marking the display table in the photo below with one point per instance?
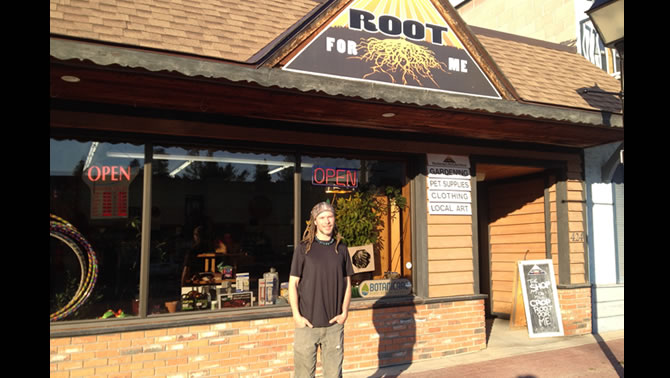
(220, 288)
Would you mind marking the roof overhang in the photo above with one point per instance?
(153, 79)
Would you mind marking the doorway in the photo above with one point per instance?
(512, 218)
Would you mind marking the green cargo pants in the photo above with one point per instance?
(306, 343)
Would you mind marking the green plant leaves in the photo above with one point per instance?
(359, 216)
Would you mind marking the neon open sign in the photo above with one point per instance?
(109, 190)
(108, 173)
(336, 177)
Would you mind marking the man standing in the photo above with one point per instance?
(319, 294)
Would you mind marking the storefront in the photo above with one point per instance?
(189, 178)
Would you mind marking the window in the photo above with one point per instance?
(222, 224)
(94, 186)
(338, 180)
(217, 215)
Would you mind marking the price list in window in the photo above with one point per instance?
(109, 190)
(109, 201)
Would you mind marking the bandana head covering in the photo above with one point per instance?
(320, 208)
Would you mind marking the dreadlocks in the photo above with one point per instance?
(310, 232)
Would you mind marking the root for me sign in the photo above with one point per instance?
(396, 42)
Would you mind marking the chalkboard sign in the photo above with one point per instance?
(543, 312)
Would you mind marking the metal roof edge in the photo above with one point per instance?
(105, 55)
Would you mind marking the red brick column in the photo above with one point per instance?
(575, 310)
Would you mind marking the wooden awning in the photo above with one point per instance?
(156, 80)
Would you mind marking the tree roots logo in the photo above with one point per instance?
(399, 55)
(407, 43)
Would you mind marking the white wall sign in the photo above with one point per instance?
(449, 190)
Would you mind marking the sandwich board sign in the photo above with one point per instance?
(540, 298)
(403, 43)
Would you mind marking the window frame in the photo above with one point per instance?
(144, 320)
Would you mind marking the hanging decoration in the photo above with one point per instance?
(68, 234)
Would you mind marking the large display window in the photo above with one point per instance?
(95, 201)
(364, 193)
(222, 220)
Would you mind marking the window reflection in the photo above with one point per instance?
(97, 193)
(373, 177)
(218, 214)
(222, 223)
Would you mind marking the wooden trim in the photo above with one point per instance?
(563, 231)
(406, 231)
(419, 221)
(585, 246)
(484, 231)
(297, 200)
(475, 230)
(547, 215)
(574, 286)
(304, 36)
(145, 248)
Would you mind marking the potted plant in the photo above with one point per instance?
(359, 219)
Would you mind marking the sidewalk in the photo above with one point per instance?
(511, 353)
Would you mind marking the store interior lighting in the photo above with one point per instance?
(91, 152)
(180, 168)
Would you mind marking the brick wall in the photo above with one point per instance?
(373, 337)
(575, 310)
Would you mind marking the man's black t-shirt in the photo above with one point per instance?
(323, 281)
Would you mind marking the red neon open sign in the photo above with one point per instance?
(109, 189)
(338, 177)
(108, 173)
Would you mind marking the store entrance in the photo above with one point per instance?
(511, 227)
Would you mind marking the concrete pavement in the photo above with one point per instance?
(511, 353)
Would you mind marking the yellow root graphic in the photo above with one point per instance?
(394, 55)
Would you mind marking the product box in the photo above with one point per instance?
(270, 289)
(241, 282)
(241, 299)
(227, 271)
(262, 291)
(283, 291)
(194, 300)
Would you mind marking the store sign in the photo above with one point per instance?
(385, 288)
(109, 190)
(449, 188)
(401, 43)
(591, 46)
(335, 177)
(540, 298)
(108, 173)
